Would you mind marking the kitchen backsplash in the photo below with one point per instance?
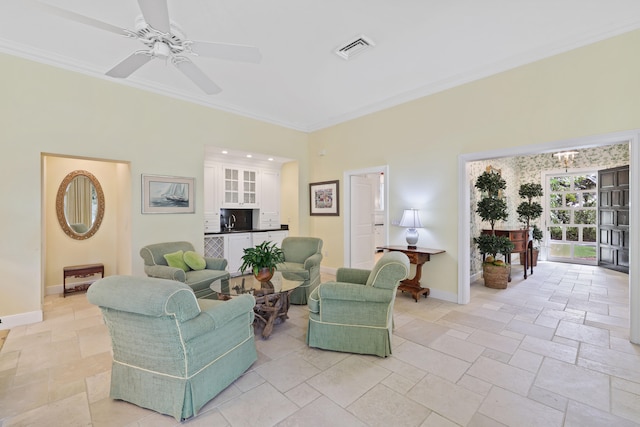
(236, 219)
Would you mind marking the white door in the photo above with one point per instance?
(361, 220)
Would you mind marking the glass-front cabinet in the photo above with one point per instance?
(240, 187)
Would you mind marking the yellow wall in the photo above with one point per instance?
(50, 110)
(588, 91)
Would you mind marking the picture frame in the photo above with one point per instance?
(324, 198)
(168, 194)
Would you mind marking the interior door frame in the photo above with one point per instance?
(631, 137)
(347, 205)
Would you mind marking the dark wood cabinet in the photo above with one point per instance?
(521, 244)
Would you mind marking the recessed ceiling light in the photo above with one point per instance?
(225, 152)
(271, 159)
(249, 156)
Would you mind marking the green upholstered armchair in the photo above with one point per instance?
(172, 353)
(354, 314)
(302, 257)
(155, 265)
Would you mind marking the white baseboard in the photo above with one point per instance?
(476, 276)
(11, 321)
(53, 290)
(443, 295)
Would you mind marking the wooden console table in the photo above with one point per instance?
(84, 270)
(417, 256)
(521, 244)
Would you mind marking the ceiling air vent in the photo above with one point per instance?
(354, 47)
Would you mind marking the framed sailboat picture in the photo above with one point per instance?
(168, 194)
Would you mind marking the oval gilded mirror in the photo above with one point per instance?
(80, 205)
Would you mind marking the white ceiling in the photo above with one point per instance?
(422, 47)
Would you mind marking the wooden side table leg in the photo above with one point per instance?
(413, 285)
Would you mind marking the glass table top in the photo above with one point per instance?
(280, 282)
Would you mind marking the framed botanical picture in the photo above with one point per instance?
(168, 194)
(324, 198)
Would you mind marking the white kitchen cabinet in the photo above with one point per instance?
(211, 198)
(276, 236)
(239, 187)
(234, 246)
(269, 199)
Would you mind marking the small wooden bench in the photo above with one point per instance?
(79, 271)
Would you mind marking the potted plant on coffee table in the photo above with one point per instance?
(262, 260)
(529, 210)
(493, 208)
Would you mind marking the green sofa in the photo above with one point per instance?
(354, 314)
(155, 265)
(173, 353)
(302, 257)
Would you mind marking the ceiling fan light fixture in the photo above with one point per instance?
(161, 50)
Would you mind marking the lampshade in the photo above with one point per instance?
(411, 220)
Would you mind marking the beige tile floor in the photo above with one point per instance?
(549, 351)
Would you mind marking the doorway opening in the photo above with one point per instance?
(111, 243)
(465, 185)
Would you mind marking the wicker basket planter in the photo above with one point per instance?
(495, 276)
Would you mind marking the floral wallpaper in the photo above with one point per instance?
(523, 169)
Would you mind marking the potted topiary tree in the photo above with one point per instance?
(494, 271)
(262, 260)
(529, 210)
(492, 208)
(536, 236)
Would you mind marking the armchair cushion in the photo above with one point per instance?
(357, 317)
(156, 265)
(302, 257)
(194, 260)
(172, 353)
(176, 260)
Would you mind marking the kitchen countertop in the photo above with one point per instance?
(255, 230)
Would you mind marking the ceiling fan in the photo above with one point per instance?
(164, 40)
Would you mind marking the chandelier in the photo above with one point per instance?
(566, 158)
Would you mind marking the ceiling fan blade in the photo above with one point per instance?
(235, 52)
(67, 14)
(198, 77)
(129, 65)
(156, 14)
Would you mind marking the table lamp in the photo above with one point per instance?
(411, 220)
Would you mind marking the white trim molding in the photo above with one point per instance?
(20, 319)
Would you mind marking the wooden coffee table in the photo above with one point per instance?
(272, 297)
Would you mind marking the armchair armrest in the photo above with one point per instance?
(228, 310)
(313, 261)
(352, 275)
(216, 263)
(353, 292)
(165, 272)
(216, 314)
